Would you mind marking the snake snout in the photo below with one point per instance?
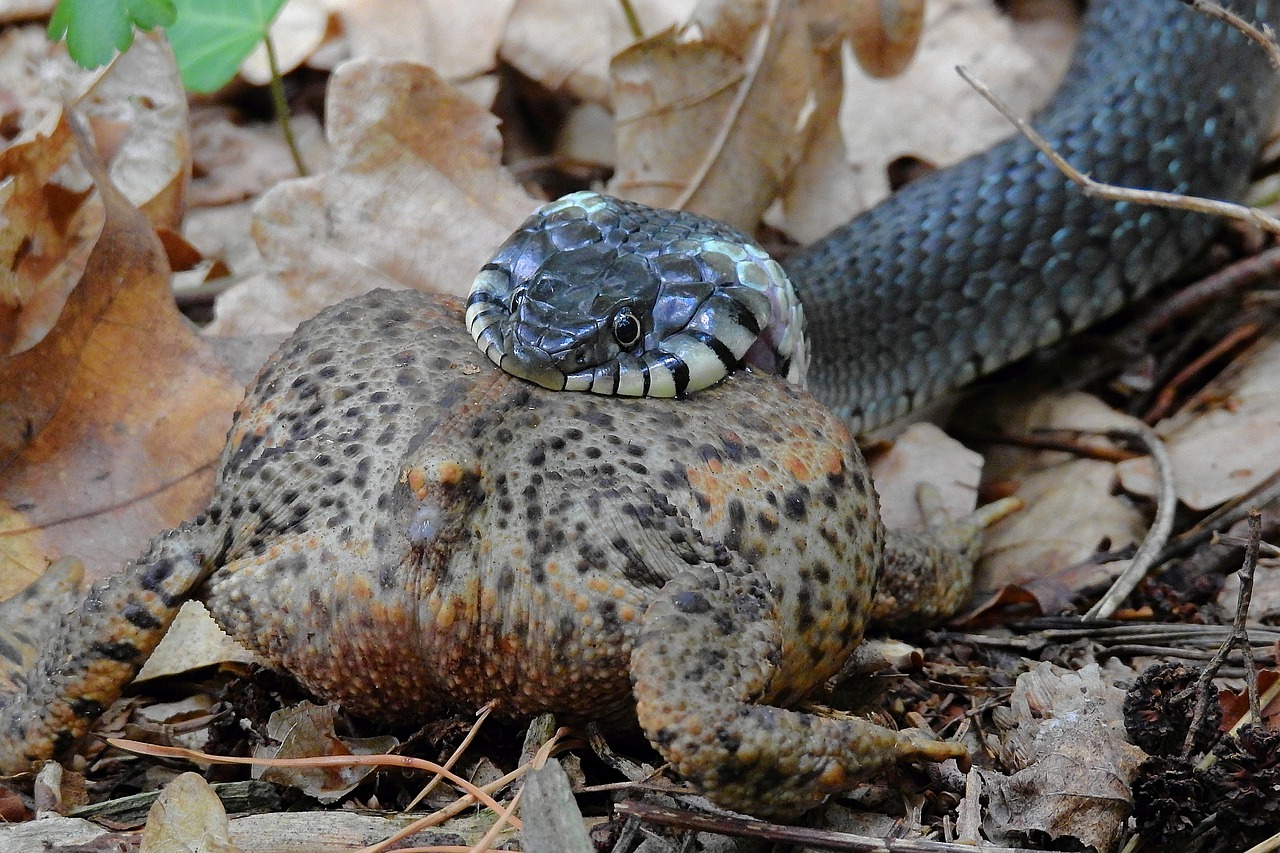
(532, 363)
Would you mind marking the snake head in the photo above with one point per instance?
(597, 294)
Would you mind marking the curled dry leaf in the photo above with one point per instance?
(110, 425)
(1227, 444)
(417, 197)
(137, 110)
(307, 730)
(710, 115)
(928, 112)
(1063, 737)
(187, 817)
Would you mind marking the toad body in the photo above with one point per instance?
(406, 529)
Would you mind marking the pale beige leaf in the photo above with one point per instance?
(566, 45)
(296, 33)
(1071, 507)
(193, 641)
(710, 116)
(458, 39)
(187, 817)
(12, 11)
(926, 112)
(924, 454)
(417, 196)
(1224, 448)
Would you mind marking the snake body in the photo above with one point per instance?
(960, 272)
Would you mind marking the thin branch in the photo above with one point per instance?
(1161, 527)
(1110, 192)
(1261, 35)
(1239, 637)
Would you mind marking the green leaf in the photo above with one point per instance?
(210, 38)
(96, 29)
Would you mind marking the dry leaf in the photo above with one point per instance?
(709, 116)
(193, 641)
(925, 454)
(417, 196)
(113, 421)
(458, 39)
(1071, 506)
(296, 33)
(234, 161)
(566, 45)
(885, 34)
(930, 113)
(1063, 735)
(307, 730)
(1222, 449)
(138, 111)
(187, 817)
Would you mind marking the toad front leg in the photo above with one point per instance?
(86, 658)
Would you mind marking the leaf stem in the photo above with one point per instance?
(633, 20)
(282, 107)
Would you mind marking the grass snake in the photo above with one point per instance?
(953, 276)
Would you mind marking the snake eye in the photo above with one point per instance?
(626, 328)
(517, 296)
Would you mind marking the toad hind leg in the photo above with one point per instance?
(96, 650)
(701, 672)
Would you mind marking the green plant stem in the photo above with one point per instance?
(282, 108)
(633, 20)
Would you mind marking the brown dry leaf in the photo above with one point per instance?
(235, 161)
(306, 730)
(109, 426)
(924, 454)
(710, 115)
(417, 198)
(1224, 448)
(1071, 506)
(1063, 734)
(187, 817)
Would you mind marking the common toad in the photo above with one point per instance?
(406, 529)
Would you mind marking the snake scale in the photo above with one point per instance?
(952, 277)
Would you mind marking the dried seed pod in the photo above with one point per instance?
(1159, 706)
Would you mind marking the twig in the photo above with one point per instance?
(815, 839)
(1264, 548)
(1168, 394)
(1110, 192)
(1157, 536)
(1211, 289)
(1239, 637)
(282, 107)
(483, 715)
(1260, 496)
(1262, 35)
